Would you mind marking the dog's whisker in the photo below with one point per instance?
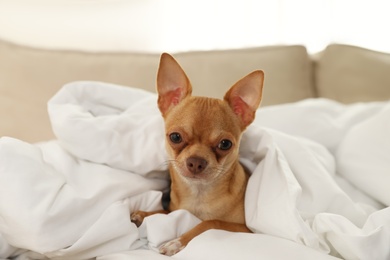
(164, 164)
(167, 162)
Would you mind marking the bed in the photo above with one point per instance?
(318, 153)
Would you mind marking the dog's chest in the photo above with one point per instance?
(202, 206)
(203, 211)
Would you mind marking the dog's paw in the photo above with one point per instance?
(137, 217)
(172, 247)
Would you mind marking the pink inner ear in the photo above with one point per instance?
(170, 99)
(238, 106)
(174, 96)
(242, 109)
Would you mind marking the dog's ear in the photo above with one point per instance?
(172, 83)
(244, 97)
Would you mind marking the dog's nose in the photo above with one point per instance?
(196, 164)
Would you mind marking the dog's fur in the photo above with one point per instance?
(202, 140)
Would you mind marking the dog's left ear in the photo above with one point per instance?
(173, 84)
(244, 97)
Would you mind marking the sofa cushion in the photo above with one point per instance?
(30, 76)
(288, 71)
(353, 74)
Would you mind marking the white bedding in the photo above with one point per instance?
(319, 184)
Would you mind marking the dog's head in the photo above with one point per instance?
(203, 134)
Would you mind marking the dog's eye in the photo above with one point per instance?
(175, 138)
(225, 144)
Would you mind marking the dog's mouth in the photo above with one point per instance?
(192, 176)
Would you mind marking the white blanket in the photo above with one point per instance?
(319, 184)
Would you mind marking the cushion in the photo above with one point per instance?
(30, 76)
(288, 71)
(353, 74)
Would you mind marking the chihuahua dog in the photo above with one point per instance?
(202, 140)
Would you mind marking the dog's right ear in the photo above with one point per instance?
(172, 84)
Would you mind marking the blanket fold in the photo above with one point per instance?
(312, 184)
(107, 126)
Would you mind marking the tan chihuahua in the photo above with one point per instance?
(202, 139)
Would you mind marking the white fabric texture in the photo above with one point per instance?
(313, 191)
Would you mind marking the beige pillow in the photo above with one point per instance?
(288, 71)
(29, 77)
(352, 74)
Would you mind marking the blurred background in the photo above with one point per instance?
(182, 25)
(45, 44)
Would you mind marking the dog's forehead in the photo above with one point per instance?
(205, 116)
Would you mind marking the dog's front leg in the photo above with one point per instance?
(176, 245)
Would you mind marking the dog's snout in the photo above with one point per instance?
(196, 164)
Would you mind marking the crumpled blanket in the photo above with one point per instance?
(319, 185)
